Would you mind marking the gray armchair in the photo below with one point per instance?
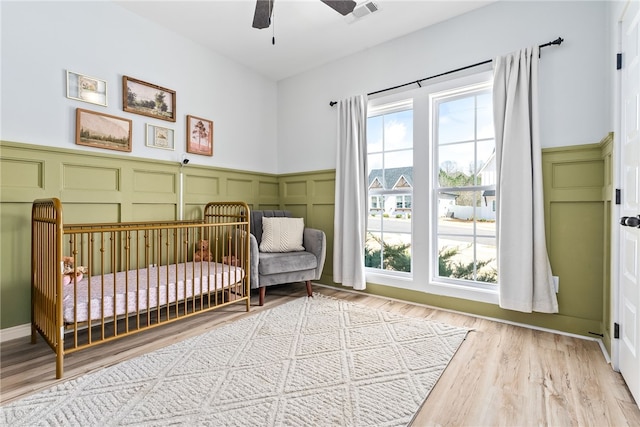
(274, 268)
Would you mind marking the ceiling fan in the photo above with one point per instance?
(264, 8)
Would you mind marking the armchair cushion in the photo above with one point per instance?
(282, 234)
(273, 263)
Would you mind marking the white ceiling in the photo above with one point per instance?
(308, 33)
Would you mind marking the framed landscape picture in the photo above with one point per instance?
(87, 89)
(100, 130)
(148, 99)
(199, 136)
(160, 137)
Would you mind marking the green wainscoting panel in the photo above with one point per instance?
(97, 179)
(154, 182)
(295, 189)
(577, 225)
(196, 184)
(15, 263)
(576, 256)
(21, 174)
(101, 187)
(297, 211)
(205, 184)
(268, 189)
(192, 211)
(581, 174)
(324, 191)
(323, 220)
(577, 205)
(239, 187)
(154, 211)
(79, 213)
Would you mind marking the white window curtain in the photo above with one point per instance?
(351, 193)
(524, 271)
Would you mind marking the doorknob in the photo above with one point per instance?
(630, 221)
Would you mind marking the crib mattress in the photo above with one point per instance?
(138, 290)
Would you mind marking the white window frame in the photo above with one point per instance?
(433, 98)
(378, 109)
(422, 278)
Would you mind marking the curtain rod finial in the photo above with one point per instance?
(332, 103)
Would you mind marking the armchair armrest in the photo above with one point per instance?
(255, 259)
(315, 241)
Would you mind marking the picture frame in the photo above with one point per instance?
(160, 137)
(199, 136)
(94, 129)
(148, 99)
(86, 88)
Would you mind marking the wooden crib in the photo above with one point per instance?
(137, 275)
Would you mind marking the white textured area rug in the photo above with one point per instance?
(311, 362)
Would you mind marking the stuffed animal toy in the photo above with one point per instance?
(69, 270)
(203, 253)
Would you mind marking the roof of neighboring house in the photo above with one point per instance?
(490, 164)
(447, 196)
(392, 177)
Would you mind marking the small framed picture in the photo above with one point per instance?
(159, 137)
(148, 99)
(87, 89)
(101, 130)
(199, 136)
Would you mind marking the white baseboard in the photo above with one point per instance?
(15, 332)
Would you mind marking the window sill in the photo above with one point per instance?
(489, 296)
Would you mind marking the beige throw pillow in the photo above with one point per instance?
(282, 234)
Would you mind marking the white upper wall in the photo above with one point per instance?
(41, 40)
(574, 89)
(285, 127)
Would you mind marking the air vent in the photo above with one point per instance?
(362, 10)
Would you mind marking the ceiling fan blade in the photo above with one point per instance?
(262, 15)
(343, 7)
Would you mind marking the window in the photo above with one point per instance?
(390, 172)
(464, 189)
(403, 202)
(375, 204)
(431, 222)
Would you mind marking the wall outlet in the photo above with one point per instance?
(556, 283)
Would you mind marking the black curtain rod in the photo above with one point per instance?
(557, 41)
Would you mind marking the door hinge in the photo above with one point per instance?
(616, 330)
(619, 61)
(618, 196)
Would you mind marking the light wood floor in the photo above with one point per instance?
(501, 375)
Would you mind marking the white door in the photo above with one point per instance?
(629, 259)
